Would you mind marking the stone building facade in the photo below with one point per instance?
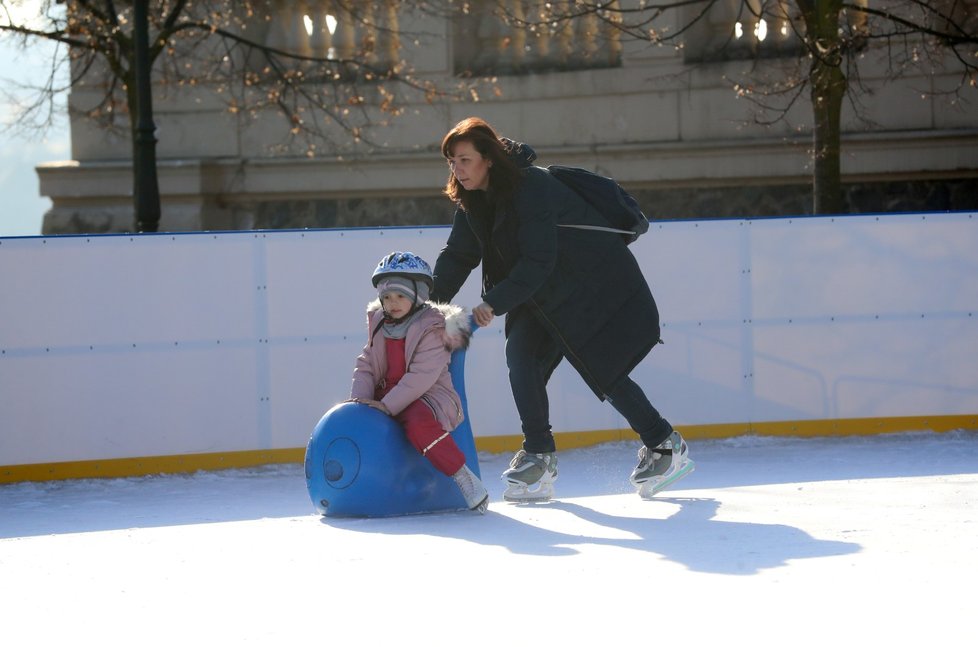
(672, 124)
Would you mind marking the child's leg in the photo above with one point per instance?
(425, 433)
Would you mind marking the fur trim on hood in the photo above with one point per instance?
(458, 323)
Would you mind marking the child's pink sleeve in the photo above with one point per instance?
(364, 383)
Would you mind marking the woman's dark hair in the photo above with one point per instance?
(504, 174)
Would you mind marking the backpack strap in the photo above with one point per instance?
(610, 230)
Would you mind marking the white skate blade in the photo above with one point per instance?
(652, 487)
(520, 492)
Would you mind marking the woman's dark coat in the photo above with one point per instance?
(584, 286)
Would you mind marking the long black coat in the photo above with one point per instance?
(584, 286)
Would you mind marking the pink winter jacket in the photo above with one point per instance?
(428, 345)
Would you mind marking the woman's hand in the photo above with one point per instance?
(483, 314)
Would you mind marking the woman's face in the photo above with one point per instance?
(469, 167)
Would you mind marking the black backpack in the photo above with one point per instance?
(618, 207)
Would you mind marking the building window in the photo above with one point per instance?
(743, 29)
(325, 29)
(497, 37)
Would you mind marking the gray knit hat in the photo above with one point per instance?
(404, 286)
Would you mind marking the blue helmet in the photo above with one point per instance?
(405, 264)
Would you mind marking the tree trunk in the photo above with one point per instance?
(146, 191)
(828, 89)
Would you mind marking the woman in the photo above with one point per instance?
(566, 292)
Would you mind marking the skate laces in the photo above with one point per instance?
(524, 458)
(518, 458)
(648, 455)
(464, 481)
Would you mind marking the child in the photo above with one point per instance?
(403, 369)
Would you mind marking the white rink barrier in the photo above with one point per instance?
(166, 352)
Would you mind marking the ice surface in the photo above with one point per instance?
(771, 541)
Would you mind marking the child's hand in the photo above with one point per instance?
(376, 404)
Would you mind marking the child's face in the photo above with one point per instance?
(396, 304)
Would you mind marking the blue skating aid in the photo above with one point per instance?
(360, 464)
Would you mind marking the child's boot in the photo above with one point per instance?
(472, 489)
